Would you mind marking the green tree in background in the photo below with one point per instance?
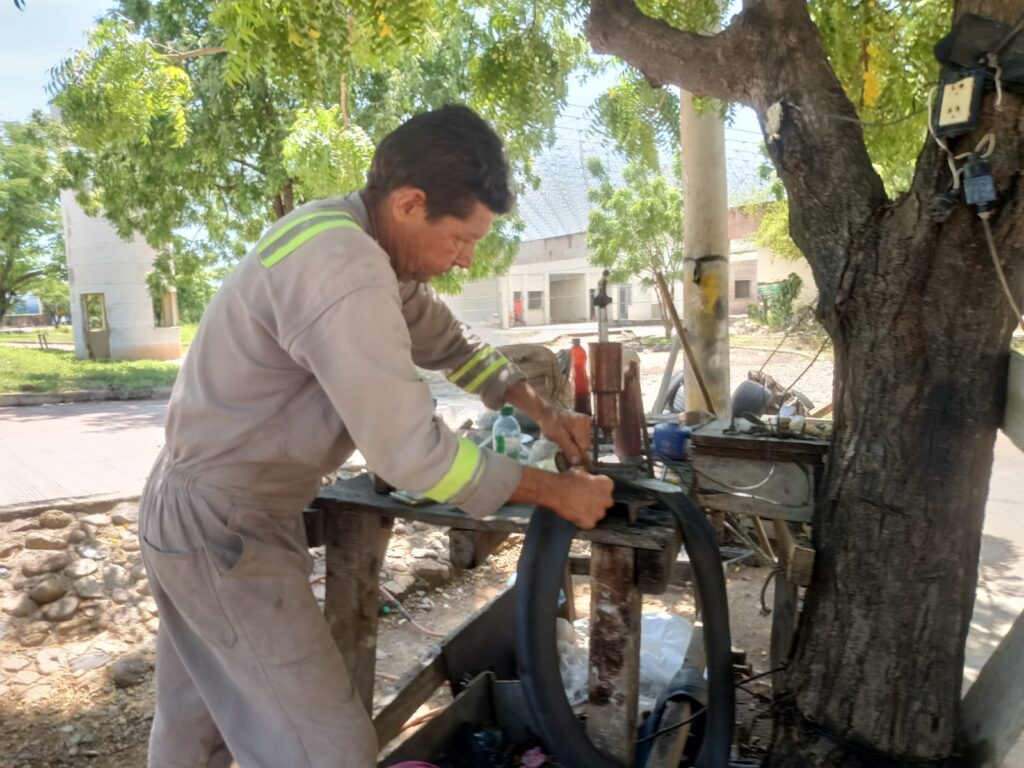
(636, 228)
(52, 287)
(30, 217)
(204, 150)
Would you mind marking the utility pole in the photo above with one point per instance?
(706, 248)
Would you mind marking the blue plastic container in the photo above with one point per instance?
(670, 440)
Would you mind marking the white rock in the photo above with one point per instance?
(19, 605)
(89, 587)
(50, 660)
(62, 610)
(80, 568)
(124, 514)
(14, 663)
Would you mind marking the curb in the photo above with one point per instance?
(17, 399)
(79, 503)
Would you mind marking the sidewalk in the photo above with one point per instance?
(82, 451)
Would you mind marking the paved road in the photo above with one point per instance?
(89, 450)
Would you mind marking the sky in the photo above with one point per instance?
(32, 42)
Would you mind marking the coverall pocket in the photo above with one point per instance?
(272, 604)
(188, 580)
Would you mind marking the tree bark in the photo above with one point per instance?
(921, 331)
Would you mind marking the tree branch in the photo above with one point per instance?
(246, 164)
(700, 64)
(769, 57)
(179, 56)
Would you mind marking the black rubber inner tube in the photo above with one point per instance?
(543, 560)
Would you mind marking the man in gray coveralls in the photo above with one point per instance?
(309, 351)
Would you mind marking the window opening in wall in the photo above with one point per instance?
(535, 300)
(742, 289)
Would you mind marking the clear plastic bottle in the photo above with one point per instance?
(507, 435)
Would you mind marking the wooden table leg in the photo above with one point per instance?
(614, 651)
(784, 618)
(355, 543)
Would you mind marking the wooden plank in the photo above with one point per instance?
(614, 651)
(468, 549)
(784, 618)
(1013, 421)
(655, 570)
(711, 441)
(415, 687)
(652, 530)
(796, 560)
(354, 547)
(993, 709)
(682, 572)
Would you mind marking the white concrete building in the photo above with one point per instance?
(111, 307)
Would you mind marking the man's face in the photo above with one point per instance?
(423, 248)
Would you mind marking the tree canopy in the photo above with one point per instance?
(31, 229)
(199, 151)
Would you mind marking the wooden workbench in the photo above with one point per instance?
(354, 523)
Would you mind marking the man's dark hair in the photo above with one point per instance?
(452, 154)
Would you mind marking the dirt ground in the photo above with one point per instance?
(76, 680)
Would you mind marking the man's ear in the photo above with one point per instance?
(408, 204)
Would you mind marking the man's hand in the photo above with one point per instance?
(569, 430)
(586, 498)
(579, 497)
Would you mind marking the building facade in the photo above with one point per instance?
(111, 307)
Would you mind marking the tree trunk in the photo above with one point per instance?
(921, 354)
(921, 330)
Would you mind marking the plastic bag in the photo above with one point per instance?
(664, 639)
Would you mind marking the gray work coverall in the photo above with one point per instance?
(308, 351)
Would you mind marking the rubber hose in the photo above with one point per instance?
(541, 565)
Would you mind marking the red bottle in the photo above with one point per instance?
(580, 380)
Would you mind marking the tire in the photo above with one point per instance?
(545, 552)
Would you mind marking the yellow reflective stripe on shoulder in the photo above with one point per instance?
(470, 363)
(475, 383)
(291, 225)
(307, 234)
(462, 471)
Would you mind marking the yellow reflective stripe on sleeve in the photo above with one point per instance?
(475, 383)
(462, 471)
(305, 235)
(470, 363)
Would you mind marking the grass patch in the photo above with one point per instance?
(56, 370)
(187, 332)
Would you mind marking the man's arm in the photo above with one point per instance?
(580, 498)
(441, 342)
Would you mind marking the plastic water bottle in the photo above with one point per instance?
(507, 435)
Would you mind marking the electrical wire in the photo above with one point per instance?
(702, 710)
(408, 616)
(675, 726)
(984, 216)
(809, 366)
